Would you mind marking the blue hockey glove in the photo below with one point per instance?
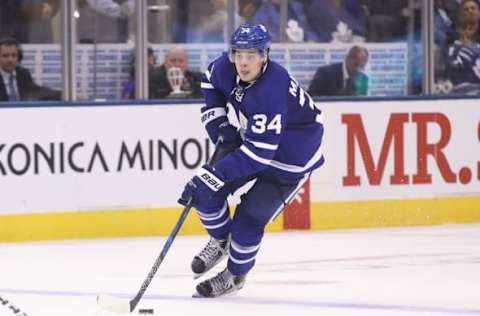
(229, 139)
(228, 133)
(202, 187)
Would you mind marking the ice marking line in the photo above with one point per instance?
(253, 301)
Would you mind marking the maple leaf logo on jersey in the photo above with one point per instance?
(239, 93)
(245, 30)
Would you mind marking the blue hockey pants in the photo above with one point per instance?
(262, 203)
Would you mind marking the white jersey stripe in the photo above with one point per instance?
(242, 249)
(238, 261)
(283, 166)
(218, 225)
(299, 169)
(205, 85)
(302, 97)
(262, 145)
(465, 56)
(253, 156)
(214, 216)
(208, 74)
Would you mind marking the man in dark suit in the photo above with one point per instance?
(345, 78)
(16, 83)
(175, 68)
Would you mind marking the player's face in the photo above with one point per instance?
(249, 63)
(8, 57)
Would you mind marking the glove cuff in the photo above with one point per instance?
(211, 180)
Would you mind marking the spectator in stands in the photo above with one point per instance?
(173, 79)
(464, 54)
(471, 8)
(248, 8)
(104, 21)
(128, 91)
(28, 21)
(214, 26)
(444, 34)
(337, 20)
(345, 78)
(297, 28)
(444, 18)
(41, 14)
(16, 82)
(13, 20)
(208, 24)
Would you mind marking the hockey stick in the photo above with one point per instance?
(15, 310)
(124, 306)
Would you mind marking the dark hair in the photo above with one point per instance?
(355, 49)
(465, 1)
(10, 41)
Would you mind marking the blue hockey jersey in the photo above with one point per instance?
(464, 63)
(281, 127)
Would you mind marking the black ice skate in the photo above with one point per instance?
(213, 253)
(221, 284)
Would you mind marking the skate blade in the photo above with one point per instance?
(198, 295)
(226, 294)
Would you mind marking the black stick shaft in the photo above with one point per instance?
(161, 256)
(217, 155)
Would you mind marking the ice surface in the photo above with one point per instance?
(430, 270)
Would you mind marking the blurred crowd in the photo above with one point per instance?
(457, 47)
(206, 20)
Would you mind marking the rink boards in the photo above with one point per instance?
(103, 170)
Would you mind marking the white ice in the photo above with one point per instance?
(412, 271)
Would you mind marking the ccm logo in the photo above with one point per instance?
(211, 182)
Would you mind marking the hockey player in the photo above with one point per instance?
(278, 145)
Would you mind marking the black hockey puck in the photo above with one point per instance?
(145, 311)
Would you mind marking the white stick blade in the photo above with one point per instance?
(113, 304)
